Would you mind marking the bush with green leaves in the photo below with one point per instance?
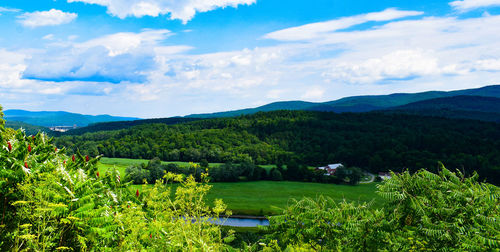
(424, 211)
(50, 201)
(444, 210)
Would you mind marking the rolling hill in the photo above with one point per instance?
(59, 118)
(358, 103)
(462, 106)
(103, 126)
(28, 128)
(284, 105)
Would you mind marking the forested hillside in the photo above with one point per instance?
(28, 128)
(372, 141)
(126, 124)
(462, 106)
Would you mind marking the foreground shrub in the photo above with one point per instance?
(424, 211)
(50, 201)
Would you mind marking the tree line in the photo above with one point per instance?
(154, 170)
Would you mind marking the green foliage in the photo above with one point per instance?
(28, 128)
(163, 223)
(323, 224)
(445, 209)
(276, 175)
(50, 201)
(227, 172)
(349, 175)
(424, 211)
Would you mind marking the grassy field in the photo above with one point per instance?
(270, 197)
(122, 163)
(264, 197)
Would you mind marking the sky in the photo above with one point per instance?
(162, 58)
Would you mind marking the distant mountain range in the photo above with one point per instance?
(358, 103)
(478, 104)
(59, 118)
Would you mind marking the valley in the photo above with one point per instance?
(261, 198)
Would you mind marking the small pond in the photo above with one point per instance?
(241, 222)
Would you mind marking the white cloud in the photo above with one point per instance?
(115, 58)
(315, 30)
(275, 94)
(48, 37)
(467, 5)
(52, 90)
(229, 71)
(401, 64)
(487, 65)
(144, 92)
(11, 66)
(184, 10)
(4, 9)
(314, 93)
(46, 18)
(125, 42)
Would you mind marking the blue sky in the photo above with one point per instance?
(158, 58)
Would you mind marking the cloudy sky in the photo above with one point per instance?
(159, 58)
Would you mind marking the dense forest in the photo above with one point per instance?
(373, 141)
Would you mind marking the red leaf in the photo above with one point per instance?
(29, 147)
(87, 158)
(9, 146)
(55, 149)
(97, 174)
(73, 158)
(137, 193)
(26, 164)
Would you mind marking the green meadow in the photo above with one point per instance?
(264, 197)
